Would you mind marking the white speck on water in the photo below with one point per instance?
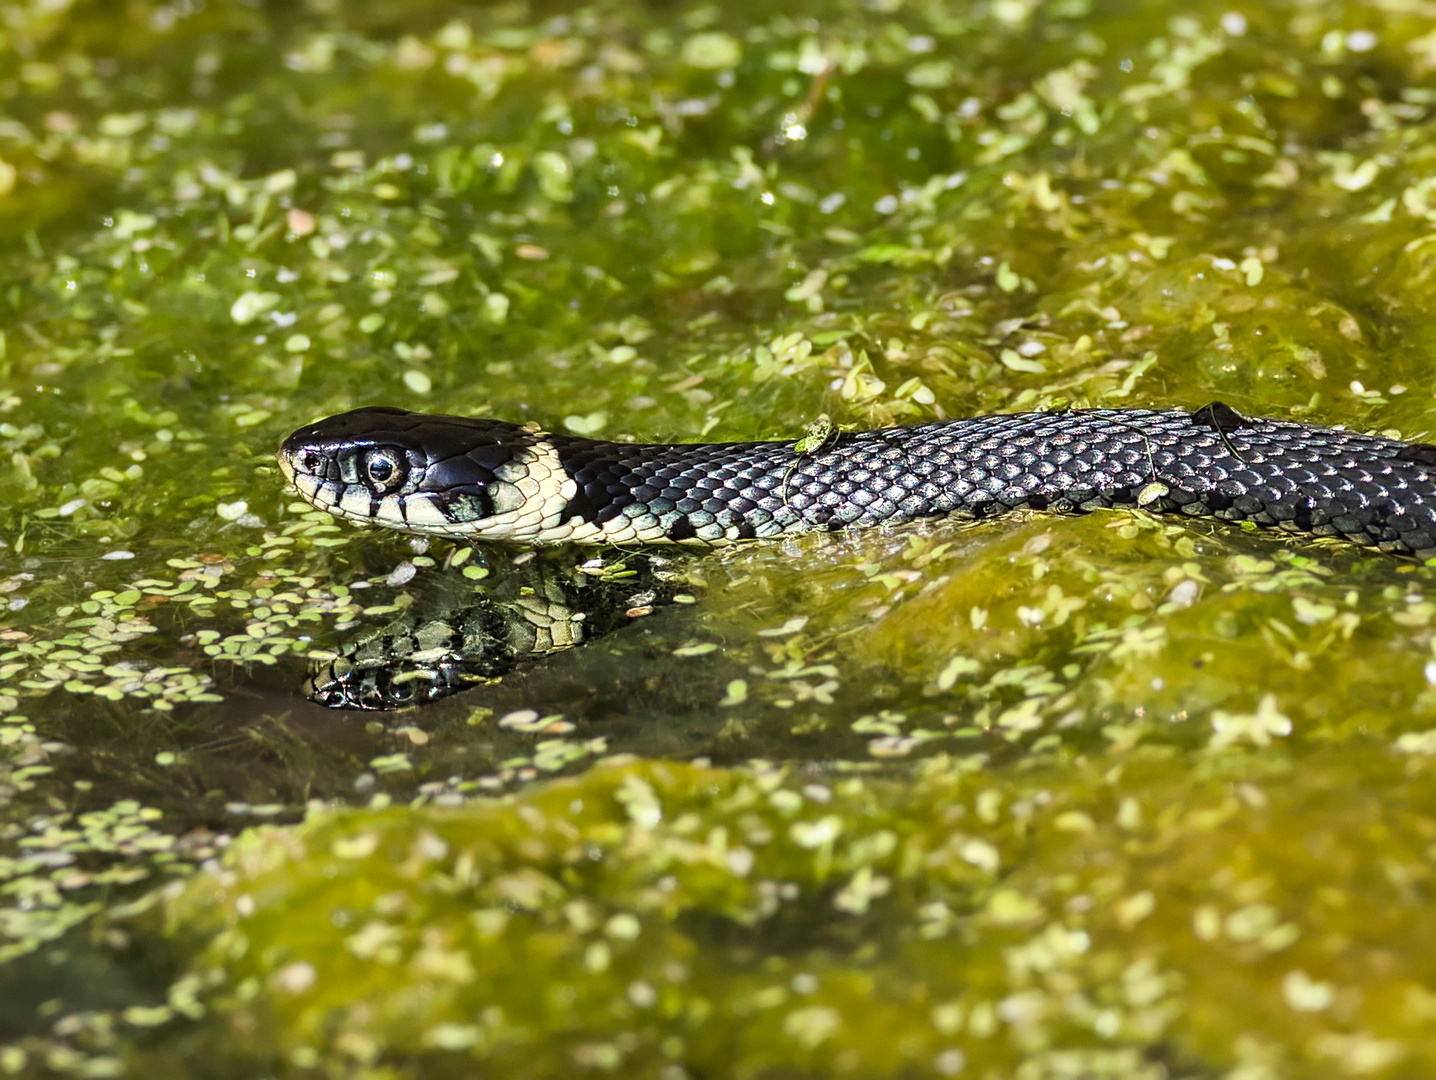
(1360, 41)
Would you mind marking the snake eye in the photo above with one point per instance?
(384, 469)
(313, 462)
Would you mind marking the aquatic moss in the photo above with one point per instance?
(1127, 919)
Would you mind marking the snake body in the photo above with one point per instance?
(490, 480)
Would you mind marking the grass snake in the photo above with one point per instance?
(489, 480)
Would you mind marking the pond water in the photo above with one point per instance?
(1113, 796)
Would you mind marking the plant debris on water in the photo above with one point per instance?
(1115, 796)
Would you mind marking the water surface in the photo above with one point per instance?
(1113, 796)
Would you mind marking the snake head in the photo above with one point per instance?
(421, 473)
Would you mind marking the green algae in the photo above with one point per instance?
(220, 221)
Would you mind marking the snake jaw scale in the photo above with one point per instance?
(528, 497)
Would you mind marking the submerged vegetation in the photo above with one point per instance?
(1039, 798)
